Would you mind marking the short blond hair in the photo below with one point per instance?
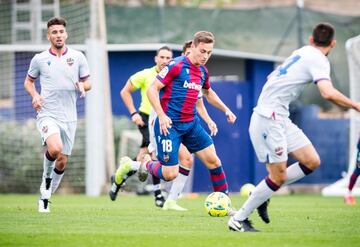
(203, 37)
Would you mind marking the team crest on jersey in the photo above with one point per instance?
(45, 129)
(164, 72)
(166, 157)
(70, 61)
(279, 150)
(48, 63)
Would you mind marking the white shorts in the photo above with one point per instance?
(152, 146)
(48, 126)
(273, 139)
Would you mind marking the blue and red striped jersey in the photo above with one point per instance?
(183, 81)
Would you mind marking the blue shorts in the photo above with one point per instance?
(191, 134)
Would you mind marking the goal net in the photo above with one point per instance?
(22, 35)
(339, 188)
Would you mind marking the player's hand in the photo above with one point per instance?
(37, 102)
(137, 119)
(80, 87)
(230, 116)
(212, 127)
(165, 124)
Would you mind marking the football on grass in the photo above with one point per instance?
(217, 204)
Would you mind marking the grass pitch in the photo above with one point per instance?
(77, 220)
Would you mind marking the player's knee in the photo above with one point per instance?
(61, 163)
(280, 179)
(313, 162)
(187, 162)
(170, 173)
(213, 162)
(169, 176)
(55, 150)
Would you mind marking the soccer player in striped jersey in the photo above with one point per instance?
(63, 73)
(349, 198)
(185, 157)
(272, 133)
(173, 96)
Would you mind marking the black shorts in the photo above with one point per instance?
(144, 130)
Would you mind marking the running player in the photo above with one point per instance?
(185, 158)
(272, 133)
(63, 72)
(173, 96)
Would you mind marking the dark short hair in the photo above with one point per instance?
(323, 34)
(203, 37)
(165, 47)
(186, 45)
(56, 21)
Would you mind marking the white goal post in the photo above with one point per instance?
(339, 188)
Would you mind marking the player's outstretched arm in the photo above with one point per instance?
(125, 95)
(37, 100)
(214, 100)
(201, 109)
(330, 93)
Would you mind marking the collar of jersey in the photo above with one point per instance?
(54, 54)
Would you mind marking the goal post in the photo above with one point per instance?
(339, 188)
(100, 159)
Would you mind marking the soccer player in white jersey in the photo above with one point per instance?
(272, 133)
(63, 75)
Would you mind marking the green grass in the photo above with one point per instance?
(77, 220)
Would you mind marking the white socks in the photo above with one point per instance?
(260, 194)
(56, 179)
(179, 183)
(48, 166)
(262, 191)
(294, 173)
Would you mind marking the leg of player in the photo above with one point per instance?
(279, 175)
(349, 198)
(217, 175)
(156, 168)
(58, 171)
(129, 167)
(159, 198)
(262, 192)
(186, 162)
(126, 168)
(54, 147)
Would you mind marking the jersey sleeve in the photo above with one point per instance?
(169, 72)
(138, 79)
(34, 68)
(207, 81)
(84, 71)
(320, 70)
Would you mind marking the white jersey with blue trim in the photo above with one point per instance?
(285, 84)
(58, 78)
